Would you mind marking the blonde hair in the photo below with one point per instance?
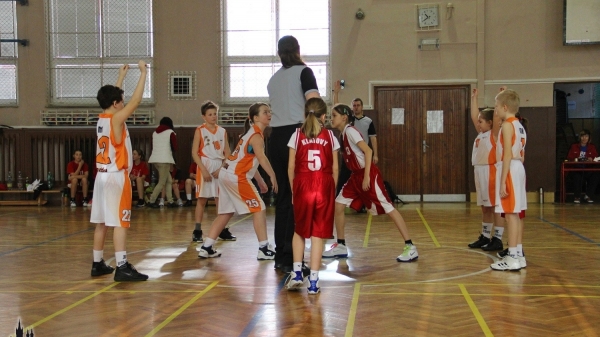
(313, 110)
(510, 98)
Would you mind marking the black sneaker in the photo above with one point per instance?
(172, 205)
(153, 205)
(265, 253)
(140, 203)
(197, 235)
(188, 203)
(226, 235)
(495, 244)
(502, 254)
(127, 272)
(481, 241)
(206, 252)
(101, 268)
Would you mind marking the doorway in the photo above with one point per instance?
(423, 154)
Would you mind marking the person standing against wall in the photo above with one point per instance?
(164, 143)
(289, 88)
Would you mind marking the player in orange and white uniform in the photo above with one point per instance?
(483, 160)
(209, 149)
(236, 191)
(112, 187)
(510, 175)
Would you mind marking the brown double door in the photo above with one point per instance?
(419, 164)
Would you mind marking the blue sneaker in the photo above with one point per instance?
(295, 281)
(314, 288)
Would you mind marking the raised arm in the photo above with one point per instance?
(475, 109)
(122, 73)
(337, 86)
(121, 116)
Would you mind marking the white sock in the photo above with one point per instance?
(98, 255)
(208, 242)
(512, 251)
(121, 258)
(498, 231)
(486, 229)
(297, 266)
(189, 196)
(262, 244)
(520, 250)
(314, 275)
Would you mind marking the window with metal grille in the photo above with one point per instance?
(251, 30)
(182, 85)
(89, 40)
(8, 53)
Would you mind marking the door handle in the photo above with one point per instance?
(425, 146)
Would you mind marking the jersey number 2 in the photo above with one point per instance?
(103, 145)
(314, 161)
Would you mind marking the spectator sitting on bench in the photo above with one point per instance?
(78, 175)
(140, 175)
(190, 184)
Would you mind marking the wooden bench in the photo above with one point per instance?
(41, 200)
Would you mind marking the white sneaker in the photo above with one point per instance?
(161, 202)
(73, 204)
(337, 250)
(409, 254)
(85, 204)
(522, 261)
(507, 263)
(179, 202)
(295, 280)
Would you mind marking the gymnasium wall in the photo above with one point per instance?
(484, 43)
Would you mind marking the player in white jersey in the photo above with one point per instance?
(209, 150)
(112, 188)
(483, 160)
(510, 190)
(236, 191)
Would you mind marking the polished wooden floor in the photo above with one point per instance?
(46, 258)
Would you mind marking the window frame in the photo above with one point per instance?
(272, 60)
(11, 60)
(103, 63)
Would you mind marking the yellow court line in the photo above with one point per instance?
(480, 320)
(482, 295)
(435, 241)
(375, 284)
(352, 313)
(181, 309)
(240, 220)
(71, 306)
(366, 240)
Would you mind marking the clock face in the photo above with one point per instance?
(428, 17)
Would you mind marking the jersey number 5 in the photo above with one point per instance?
(314, 161)
(103, 145)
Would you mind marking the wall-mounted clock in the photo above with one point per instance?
(428, 16)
